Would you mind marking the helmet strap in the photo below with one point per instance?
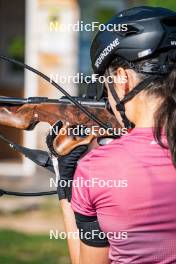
(120, 104)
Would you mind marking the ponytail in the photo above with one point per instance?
(165, 116)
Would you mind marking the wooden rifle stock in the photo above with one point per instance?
(24, 114)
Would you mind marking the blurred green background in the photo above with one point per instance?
(19, 248)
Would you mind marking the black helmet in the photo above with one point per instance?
(149, 30)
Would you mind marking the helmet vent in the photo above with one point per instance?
(169, 22)
(131, 30)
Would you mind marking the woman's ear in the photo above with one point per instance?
(133, 79)
(121, 80)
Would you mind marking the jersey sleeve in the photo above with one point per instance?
(81, 201)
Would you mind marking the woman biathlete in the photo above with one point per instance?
(126, 209)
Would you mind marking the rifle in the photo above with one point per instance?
(68, 112)
(25, 114)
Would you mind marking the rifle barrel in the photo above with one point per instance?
(30, 100)
(38, 100)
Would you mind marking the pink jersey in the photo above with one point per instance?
(130, 184)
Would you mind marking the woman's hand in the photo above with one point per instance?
(67, 166)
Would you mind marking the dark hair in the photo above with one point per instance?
(165, 116)
(163, 87)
